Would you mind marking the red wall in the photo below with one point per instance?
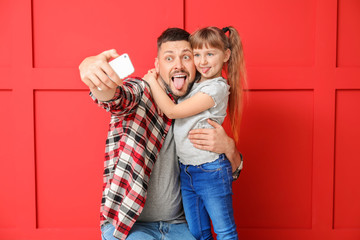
(300, 134)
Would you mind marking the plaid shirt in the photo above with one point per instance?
(136, 134)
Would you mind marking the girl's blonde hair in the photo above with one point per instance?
(234, 68)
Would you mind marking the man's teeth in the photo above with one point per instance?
(179, 76)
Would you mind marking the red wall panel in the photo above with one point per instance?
(5, 36)
(276, 138)
(8, 161)
(68, 159)
(348, 48)
(347, 164)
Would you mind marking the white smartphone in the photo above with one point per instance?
(122, 66)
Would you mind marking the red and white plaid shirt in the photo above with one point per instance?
(136, 134)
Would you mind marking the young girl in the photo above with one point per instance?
(206, 177)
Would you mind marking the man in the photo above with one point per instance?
(140, 142)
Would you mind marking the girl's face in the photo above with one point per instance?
(209, 61)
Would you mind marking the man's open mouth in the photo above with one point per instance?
(179, 80)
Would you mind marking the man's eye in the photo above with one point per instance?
(186, 57)
(168, 59)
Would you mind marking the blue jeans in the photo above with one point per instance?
(151, 231)
(207, 194)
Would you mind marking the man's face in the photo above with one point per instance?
(175, 65)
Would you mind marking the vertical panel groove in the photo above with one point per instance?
(35, 165)
(184, 14)
(337, 35)
(334, 162)
(32, 52)
(32, 35)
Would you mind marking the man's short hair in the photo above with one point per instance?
(172, 34)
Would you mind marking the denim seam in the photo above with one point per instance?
(225, 177)
(161, 231)
(198, 212)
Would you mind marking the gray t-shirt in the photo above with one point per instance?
(216, 88)
(163, 202)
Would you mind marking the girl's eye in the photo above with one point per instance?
(196, 55)
(210, 54)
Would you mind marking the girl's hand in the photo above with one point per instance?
(151, 76)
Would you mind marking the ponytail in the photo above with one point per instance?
(236, 76)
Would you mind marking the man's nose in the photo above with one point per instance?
(178, 64)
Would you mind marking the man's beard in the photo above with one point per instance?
(168, 88)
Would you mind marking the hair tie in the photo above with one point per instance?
(225, 29)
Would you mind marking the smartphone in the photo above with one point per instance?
(122, 66)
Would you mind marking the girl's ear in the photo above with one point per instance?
(227, 55)
(157, 68)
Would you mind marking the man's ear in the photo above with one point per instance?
(157, 68)
(227, 55)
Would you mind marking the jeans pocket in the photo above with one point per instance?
(226, 173)
(228, 178)
(210, 167)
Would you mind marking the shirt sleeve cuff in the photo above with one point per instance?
(107, 105)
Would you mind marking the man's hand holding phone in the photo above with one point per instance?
(98, 74)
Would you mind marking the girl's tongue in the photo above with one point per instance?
(205, 69)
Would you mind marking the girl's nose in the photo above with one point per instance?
(203, 60)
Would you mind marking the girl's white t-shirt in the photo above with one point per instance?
(218, 89)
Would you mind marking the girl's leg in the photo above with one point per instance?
(214, 185)
(195, 212)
